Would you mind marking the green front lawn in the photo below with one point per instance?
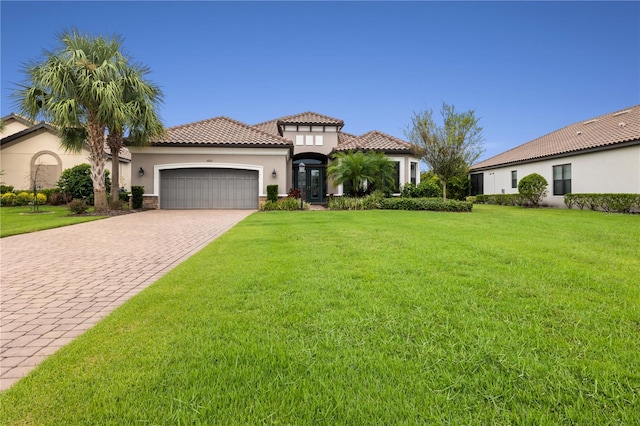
(20, 220)
(500, 316)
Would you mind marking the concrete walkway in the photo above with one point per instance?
(55, 284)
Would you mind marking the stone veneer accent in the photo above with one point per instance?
(150, 202)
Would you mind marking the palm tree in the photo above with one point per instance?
(137, 114)
(359, 169)
(76, 87)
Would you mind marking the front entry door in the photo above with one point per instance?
(315, 188)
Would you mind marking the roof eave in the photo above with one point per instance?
(221, 145)
(559, 155)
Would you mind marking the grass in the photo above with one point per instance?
(500, 316)
(20, 220)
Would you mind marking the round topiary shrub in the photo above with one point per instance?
(532, 188)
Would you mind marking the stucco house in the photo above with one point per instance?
(598, 155)
(224, 163)
(29, 150)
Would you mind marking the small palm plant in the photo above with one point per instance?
(362, 170)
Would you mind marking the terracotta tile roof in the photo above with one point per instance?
(270, 126)
(604, 131)
(374, 140)
(310, 117)
(220, 131)
(306, 118)
(344, 137)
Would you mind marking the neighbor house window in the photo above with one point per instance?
(299, 139)
(562, 179)
(309, 139)
(414, 173)
(319, 140)
(396, 180)
(514, 178)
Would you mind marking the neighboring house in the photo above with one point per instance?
(31, 150)
(599, 155)
(223, 163)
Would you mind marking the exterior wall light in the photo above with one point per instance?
(141, 172)
(273, 173)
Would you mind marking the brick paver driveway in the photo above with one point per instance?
(56, 284)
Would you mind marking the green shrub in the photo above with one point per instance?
(369, 202)
(123, 196)
(77, 182)
(622, 203)
(533, 188)
(6, 188)
(136, 197)
(272, 192)
(429, 188)
(78, 206)
(471, 199)
(432, 204)
(288, 204)
(458, 187)
(8, 199)
(409, 190)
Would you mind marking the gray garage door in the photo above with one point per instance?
(208, 189)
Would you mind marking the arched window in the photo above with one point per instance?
(46, 168)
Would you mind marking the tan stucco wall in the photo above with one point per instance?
(330, 141)
(17, 156)
(611, 171)
(265, 160)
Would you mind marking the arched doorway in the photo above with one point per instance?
(314, 182)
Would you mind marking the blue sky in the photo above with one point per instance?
(526, 68)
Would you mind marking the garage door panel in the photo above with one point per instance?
(208, 189)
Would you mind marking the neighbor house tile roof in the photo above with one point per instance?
(306, 118)
(20, 118)
(374, 140)
(601, 132)
(220, 131)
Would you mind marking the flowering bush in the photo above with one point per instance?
(8, 199)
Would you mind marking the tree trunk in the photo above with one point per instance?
(96, 159)
(114, 141)
(444, 189)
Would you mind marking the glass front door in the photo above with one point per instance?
(314, 185)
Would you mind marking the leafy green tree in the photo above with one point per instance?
(449, 149)
(78, 87)
(533, 188)
(360, 169)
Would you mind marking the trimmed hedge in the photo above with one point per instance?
(136, 197)
(500, 199)
(431, 204)
(272, 193)
(621, 203)
(288, 204)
